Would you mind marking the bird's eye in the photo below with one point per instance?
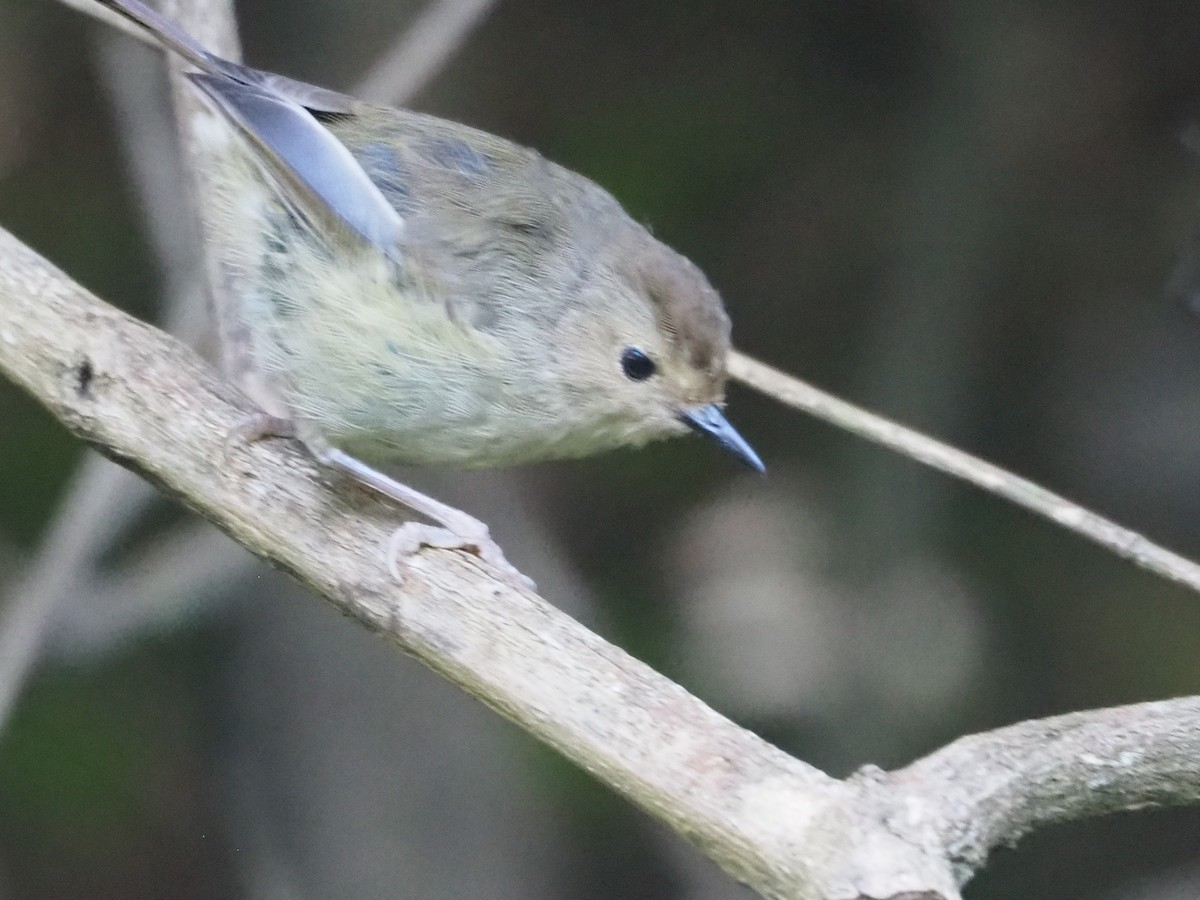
(636, 365)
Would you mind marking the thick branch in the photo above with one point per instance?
(772, 821)
(993, 788)
(148, 402)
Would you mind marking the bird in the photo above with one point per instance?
(417, 291)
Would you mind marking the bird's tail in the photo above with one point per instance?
(168, 34)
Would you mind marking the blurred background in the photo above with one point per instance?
(979, 219)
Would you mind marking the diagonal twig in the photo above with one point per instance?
(1127, 544)
(422, 51)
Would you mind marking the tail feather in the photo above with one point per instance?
(168, 34)
(173, 38)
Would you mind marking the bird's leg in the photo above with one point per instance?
(458, 530)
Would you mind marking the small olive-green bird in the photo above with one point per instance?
(417, 291)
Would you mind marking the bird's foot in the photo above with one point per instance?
(409, 538)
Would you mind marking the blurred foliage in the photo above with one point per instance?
(103, 783)
(967, 216)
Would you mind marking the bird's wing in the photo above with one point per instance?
(317, 174)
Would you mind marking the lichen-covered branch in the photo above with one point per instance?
(993, 788)
(772, 821)
(145, 400)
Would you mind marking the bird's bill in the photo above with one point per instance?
(711, 422)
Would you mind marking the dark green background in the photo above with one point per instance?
(974, 218)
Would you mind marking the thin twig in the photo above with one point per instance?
(103, 499)
(190, 572)
(422, 51)
(1123, 542)
(138, 100)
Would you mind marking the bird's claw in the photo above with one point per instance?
(410, 537)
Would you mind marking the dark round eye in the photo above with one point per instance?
(636, 364)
